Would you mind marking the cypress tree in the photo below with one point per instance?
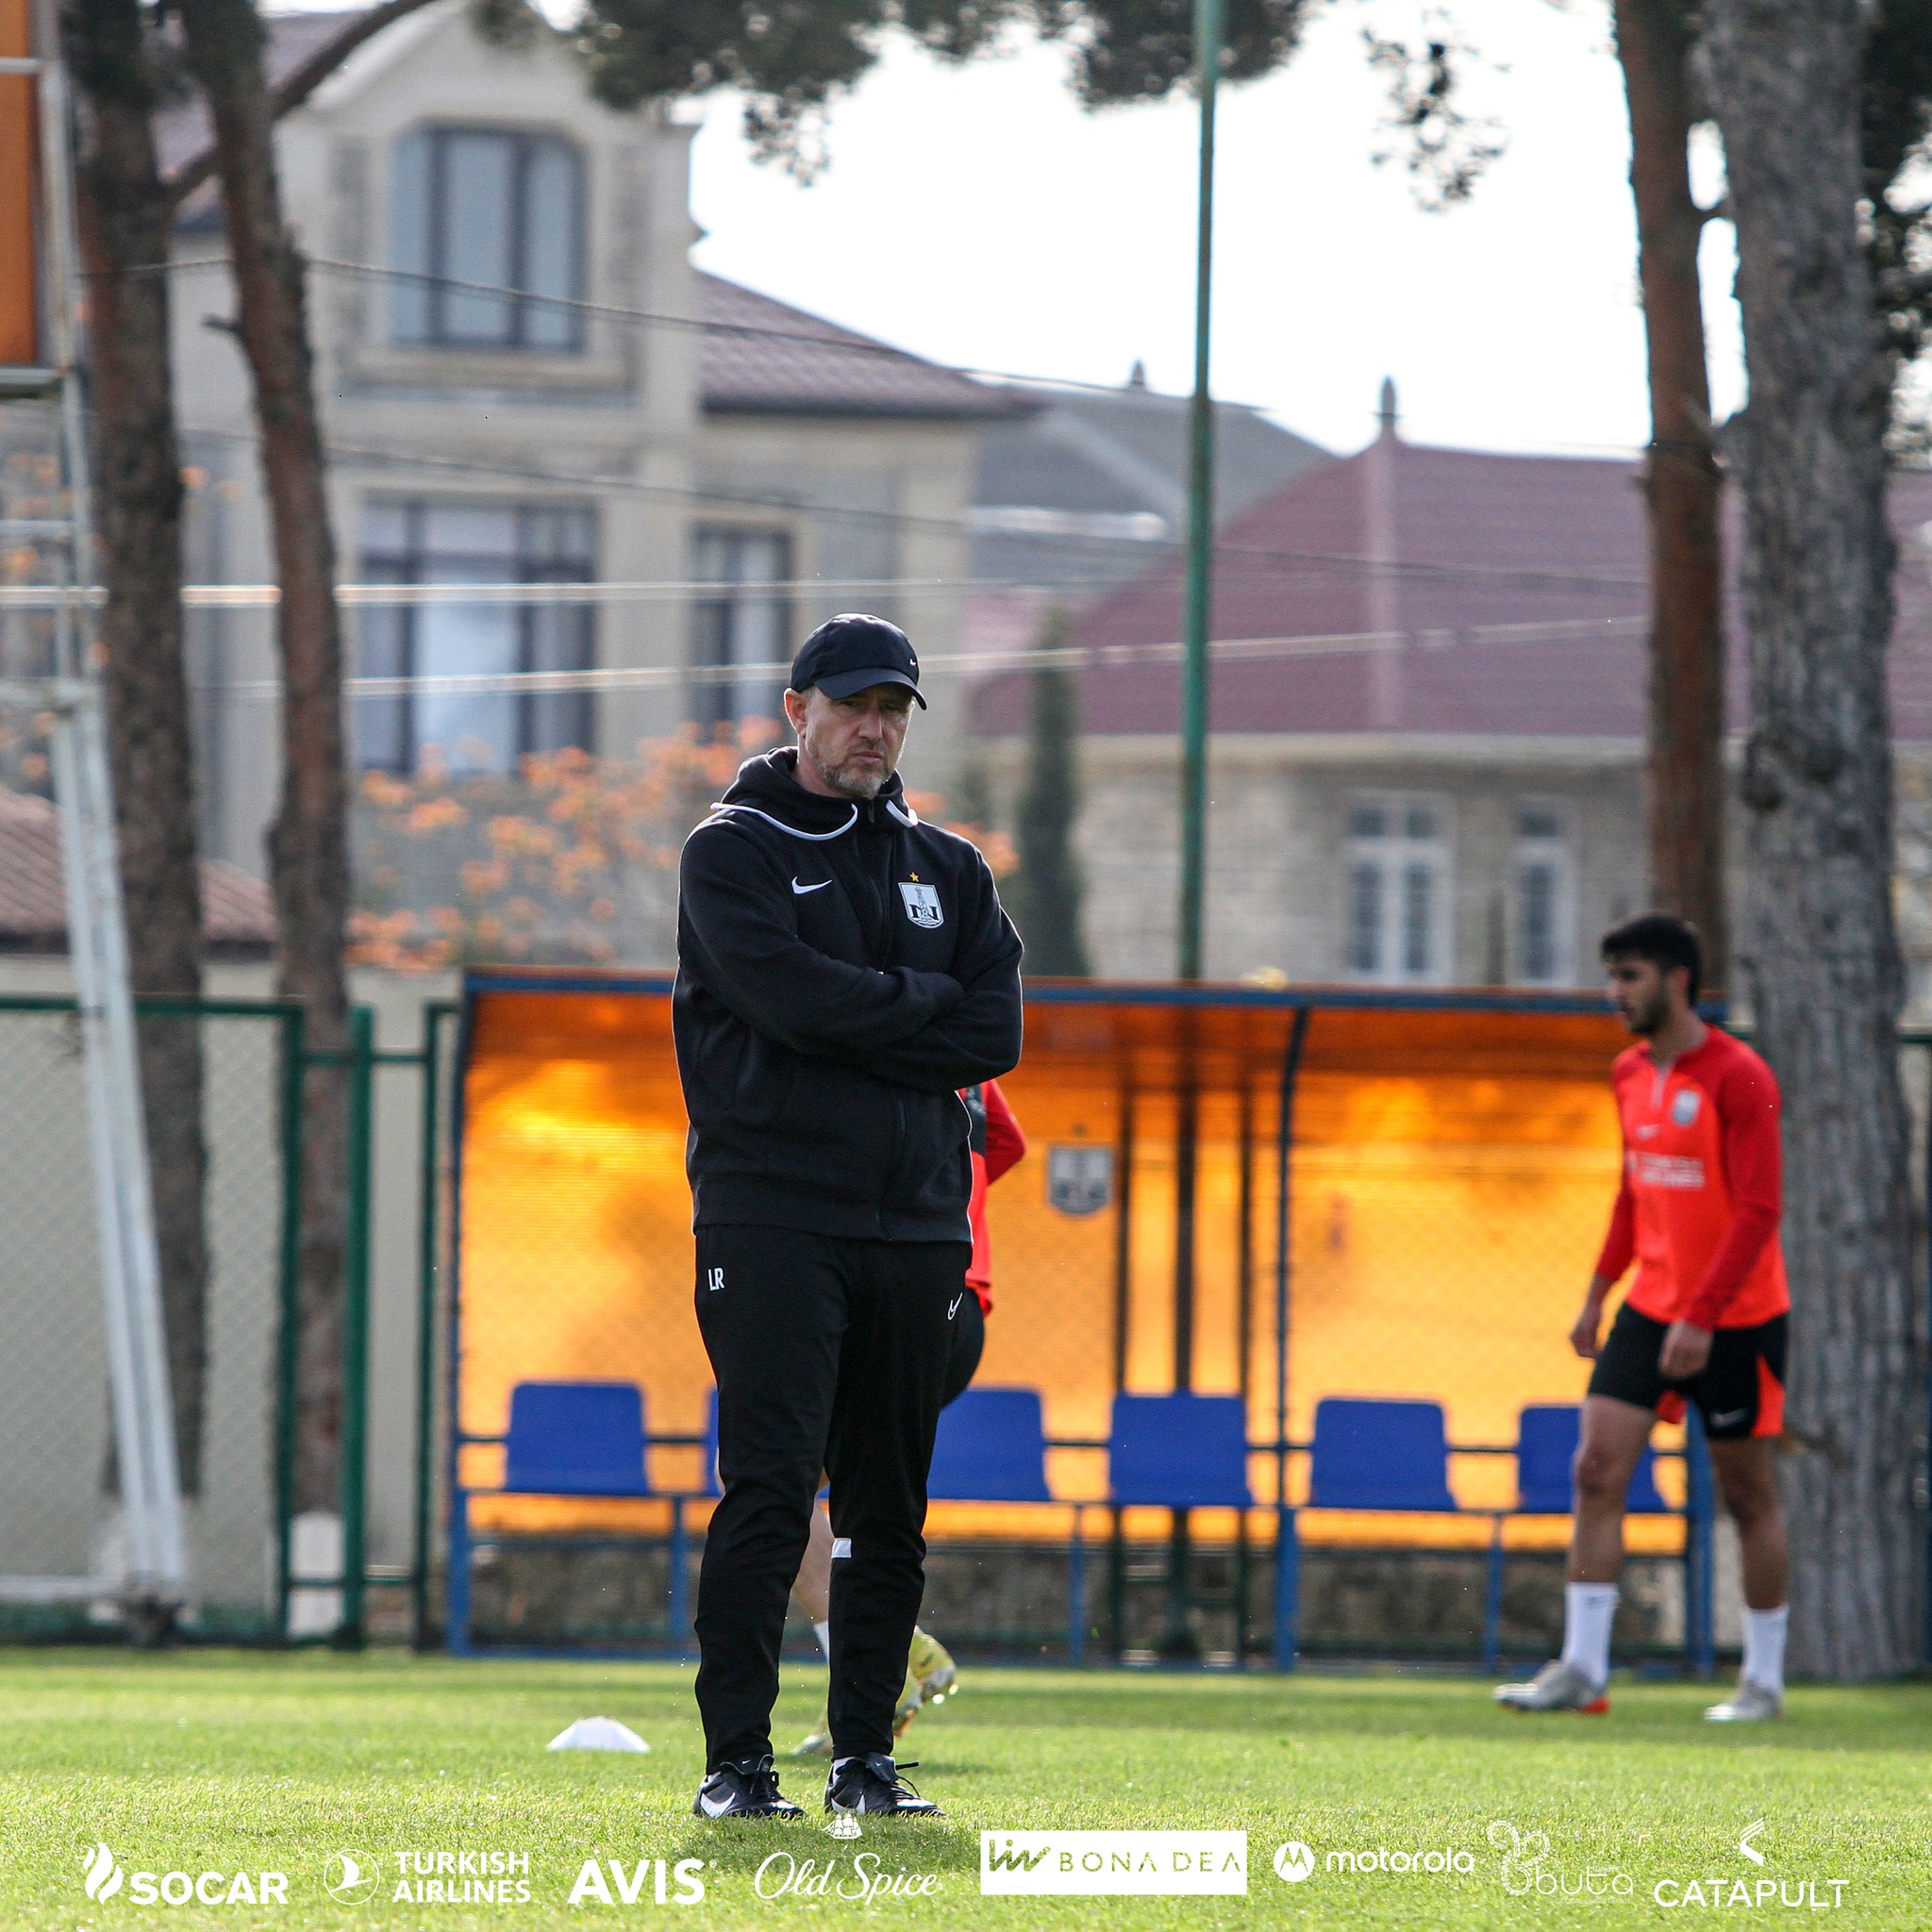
(1047, 891)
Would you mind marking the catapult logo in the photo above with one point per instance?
(1093, 1864)
(102, 1879)
(1724, 1889)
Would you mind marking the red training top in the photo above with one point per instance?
(997, 1143)
(1703, 1187)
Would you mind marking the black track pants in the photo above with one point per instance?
(831, 1355)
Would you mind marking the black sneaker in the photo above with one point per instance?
(872, 1785)
(748, 1789)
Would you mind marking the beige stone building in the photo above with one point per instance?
(526, 384)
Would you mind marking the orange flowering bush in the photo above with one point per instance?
(571, 859)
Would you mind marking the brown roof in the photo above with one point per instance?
(236, 911)
(765, 357)
(1412, 589)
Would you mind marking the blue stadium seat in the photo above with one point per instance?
(576, 1438)
(1379, 1456)
(1180, 1451)
(992, 1448)
(1547, 1434)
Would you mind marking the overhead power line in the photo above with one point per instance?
(648, 677)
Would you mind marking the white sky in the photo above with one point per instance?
(980, 216)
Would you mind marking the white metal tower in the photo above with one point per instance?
(155, 1580)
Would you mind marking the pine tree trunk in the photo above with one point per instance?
(1685, 775)
(124, 219)
(1819, 954)
(307, 846)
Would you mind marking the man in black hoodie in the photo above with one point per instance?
(843, 971)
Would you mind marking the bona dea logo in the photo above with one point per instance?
(103, 1878)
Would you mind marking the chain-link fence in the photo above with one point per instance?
(224, 1291)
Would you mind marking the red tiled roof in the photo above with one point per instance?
(1428, 591)
(237, 913)
(763, 356)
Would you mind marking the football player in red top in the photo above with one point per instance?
(1705, 1318)
(996, 1141)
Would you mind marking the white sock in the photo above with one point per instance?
(1764, 1648)
(1589, 1611)
(824, 1633)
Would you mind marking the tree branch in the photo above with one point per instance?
(1906, 286)
(297, 87)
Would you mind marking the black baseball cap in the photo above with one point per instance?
(853, 653)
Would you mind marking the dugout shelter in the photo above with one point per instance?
(1350, 1225)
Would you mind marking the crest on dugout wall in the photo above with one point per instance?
(1079, 1180)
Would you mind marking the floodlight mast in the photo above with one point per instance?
(155, 1585)
(1178, 1639)
(1208, 38)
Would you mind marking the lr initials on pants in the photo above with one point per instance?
(715, 1279)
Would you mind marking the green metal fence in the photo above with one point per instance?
(58, 1511)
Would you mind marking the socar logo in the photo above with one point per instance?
(104, 1877)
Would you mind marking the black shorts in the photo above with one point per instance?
(968, 1344)
(1741, 1392)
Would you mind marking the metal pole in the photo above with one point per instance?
(1208, 35)
(427, 1234)
(350, 1634)
(1287, 1552)
(289, 1341)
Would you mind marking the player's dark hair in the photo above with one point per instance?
(1663, 940)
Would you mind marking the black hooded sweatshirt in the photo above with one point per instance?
(843, 971)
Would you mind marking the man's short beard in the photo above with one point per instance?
(1650, 1017)
(845, 784)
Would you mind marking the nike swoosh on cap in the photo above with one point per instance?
(1725, 1421)
(802, 890)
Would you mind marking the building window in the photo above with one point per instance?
(744, 622)
(1545, 896)
(491, 205)
(474, 543)
(1399, 903)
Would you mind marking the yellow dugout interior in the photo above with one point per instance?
(1449, 1162)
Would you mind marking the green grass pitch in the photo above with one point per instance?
(221, 1763)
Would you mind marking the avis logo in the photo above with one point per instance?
(1010, 1857)
(104, 1877)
